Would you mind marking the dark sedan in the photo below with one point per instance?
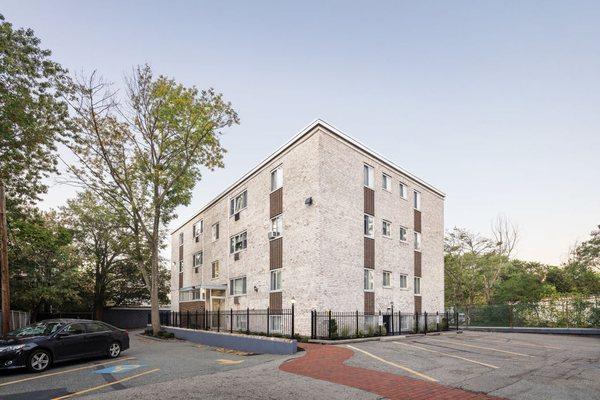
(39, 345)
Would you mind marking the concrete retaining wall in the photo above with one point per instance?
(249, 343)
(557, 331)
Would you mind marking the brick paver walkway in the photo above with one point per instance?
(327, 363)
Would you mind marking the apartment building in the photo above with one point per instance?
(324, 223)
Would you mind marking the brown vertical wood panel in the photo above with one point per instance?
(276, 202)
(180, 280)
(369, 303)
(369, 201)
(418, 263)
(276, 253)
(418, 304)
(275, 301)
(418, 221)
(369, 260)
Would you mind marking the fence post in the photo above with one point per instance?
(231, 320)
(399, 322)
(205, 319)
(187, 317)
(313, 324)
(447, 326)
(292, 320)
(437, 321)
(425, 322)
(329, 325)
(267, 321)
(392, 322)
(196, 320)
(510, 315)
(378, 322)
(416, 322)
(149, 321)
(356, 323)
(456, 313)
(218, 319)
(247, 320)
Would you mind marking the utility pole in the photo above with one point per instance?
(4, 276)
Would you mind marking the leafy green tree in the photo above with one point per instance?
(32, 118)
(145, 155)
(44, 267)
(523, 282)
(102, 239)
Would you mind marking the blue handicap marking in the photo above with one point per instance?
(115, 369)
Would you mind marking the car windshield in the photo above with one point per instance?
(38, 329)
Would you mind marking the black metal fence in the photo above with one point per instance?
(256, 322)
(346, 325)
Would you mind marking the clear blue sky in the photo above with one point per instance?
(497, 103)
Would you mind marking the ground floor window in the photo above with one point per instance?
(240, 323)
(275, 323)
(237, 286)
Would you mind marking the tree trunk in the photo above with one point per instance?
(4, 275)
(154, 310)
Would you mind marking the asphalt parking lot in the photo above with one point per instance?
(147, 361)
(513, 366)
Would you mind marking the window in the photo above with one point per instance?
(403, 190)
(190, 295)
(277, 226)
(197, 229)
(368, 279)
(387, 279)
(238, 203)
(197, 261)
(386, 182)
(238, 243)
(239, 322)
(275, 323)
(386, 229)
(181, 238)
(215, 231)
(276, 178)
(417, 241)
(403, 281)
(74, 329)
(369, 176)
(94, 327)
(237, 286)
(368, 225)
(417, 285)
(215, 269)
(416, 200)
(403, 234)
(276, 280)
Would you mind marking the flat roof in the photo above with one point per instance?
(318, 123)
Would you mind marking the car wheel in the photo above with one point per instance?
(39, 360)
(114, 350)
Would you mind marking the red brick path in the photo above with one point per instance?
(326, 363)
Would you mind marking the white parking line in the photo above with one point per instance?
(458, 343)
(420, 375)
(448, 355)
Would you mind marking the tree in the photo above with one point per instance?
(32, 118)
(145, 156)
(44, 273)
(102, 240)
(523, 282)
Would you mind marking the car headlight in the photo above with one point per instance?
(11, 348)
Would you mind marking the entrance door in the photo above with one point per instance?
(216, 303)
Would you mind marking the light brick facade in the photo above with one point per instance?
(323, 242)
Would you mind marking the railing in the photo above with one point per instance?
(576, 312)
(18, 319)
(347, 325)
(250, 322)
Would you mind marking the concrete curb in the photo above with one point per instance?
(556, 331)
(236, 341)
